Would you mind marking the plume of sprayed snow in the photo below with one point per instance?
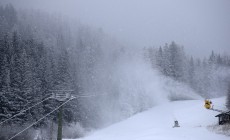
(138, 87)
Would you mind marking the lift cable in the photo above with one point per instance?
(24, 110)
(77, 96)
(41, 118)
(72, 97)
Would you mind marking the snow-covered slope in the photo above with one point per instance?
(156, 123)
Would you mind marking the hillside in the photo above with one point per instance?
(157, 122)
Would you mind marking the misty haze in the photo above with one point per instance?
(114, 70)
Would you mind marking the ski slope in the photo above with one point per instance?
(156, 123)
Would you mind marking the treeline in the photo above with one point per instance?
(28, 71)
(209, 77)
(36, 57)
(41, 53)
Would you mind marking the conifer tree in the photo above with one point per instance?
(228, 98)
(191, 72)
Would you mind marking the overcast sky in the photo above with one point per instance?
(199, 25)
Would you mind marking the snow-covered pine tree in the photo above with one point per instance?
(10, 15)
(212, 58)
(160, 59)
(5, 111)
(176, 59)
(21, 79)
(191, 72)
(166, 60)
(228, 98)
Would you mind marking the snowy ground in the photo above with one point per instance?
(156, 123)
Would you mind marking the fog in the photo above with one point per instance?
(200, 26)
(108, 50)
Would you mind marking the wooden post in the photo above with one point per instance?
(51, 130)
(59, 135)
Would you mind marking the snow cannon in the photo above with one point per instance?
(208, 104)
(224, 116)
